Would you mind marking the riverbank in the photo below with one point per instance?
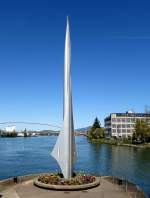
(118, 143)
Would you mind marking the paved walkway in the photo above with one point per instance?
(105, 190)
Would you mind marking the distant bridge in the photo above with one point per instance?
(41, 124)
(32, 123)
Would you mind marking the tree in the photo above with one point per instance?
(25, 133)
(96, 124)
(142, 131)
(96, 131)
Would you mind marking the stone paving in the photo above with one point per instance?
(106, 189)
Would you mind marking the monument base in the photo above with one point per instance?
(54, 182)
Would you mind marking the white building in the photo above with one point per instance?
(123, 124)
(10, 129)
(20, 134)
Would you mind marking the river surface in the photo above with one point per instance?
(19, 156)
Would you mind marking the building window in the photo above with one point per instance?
(128, 120)
(123, 131)
(118, 120)
(128, 131)
(113, 119)
(114, 130)
(123, 126)
(132, 125)
(123, 120)
(119, 126)
(118, 131)
(114, 126)
(133, 120)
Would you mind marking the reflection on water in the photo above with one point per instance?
(20, 156)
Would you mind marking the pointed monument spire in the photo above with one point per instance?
(64, 151)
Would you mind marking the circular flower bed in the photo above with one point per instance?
(56, 179)
(57, 182)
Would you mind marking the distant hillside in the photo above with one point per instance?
(85, 129)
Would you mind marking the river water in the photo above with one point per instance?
(19, 156)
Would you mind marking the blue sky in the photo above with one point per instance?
(110, 58)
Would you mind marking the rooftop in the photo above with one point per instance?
(129, 115)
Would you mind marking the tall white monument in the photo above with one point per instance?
(64, 151)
